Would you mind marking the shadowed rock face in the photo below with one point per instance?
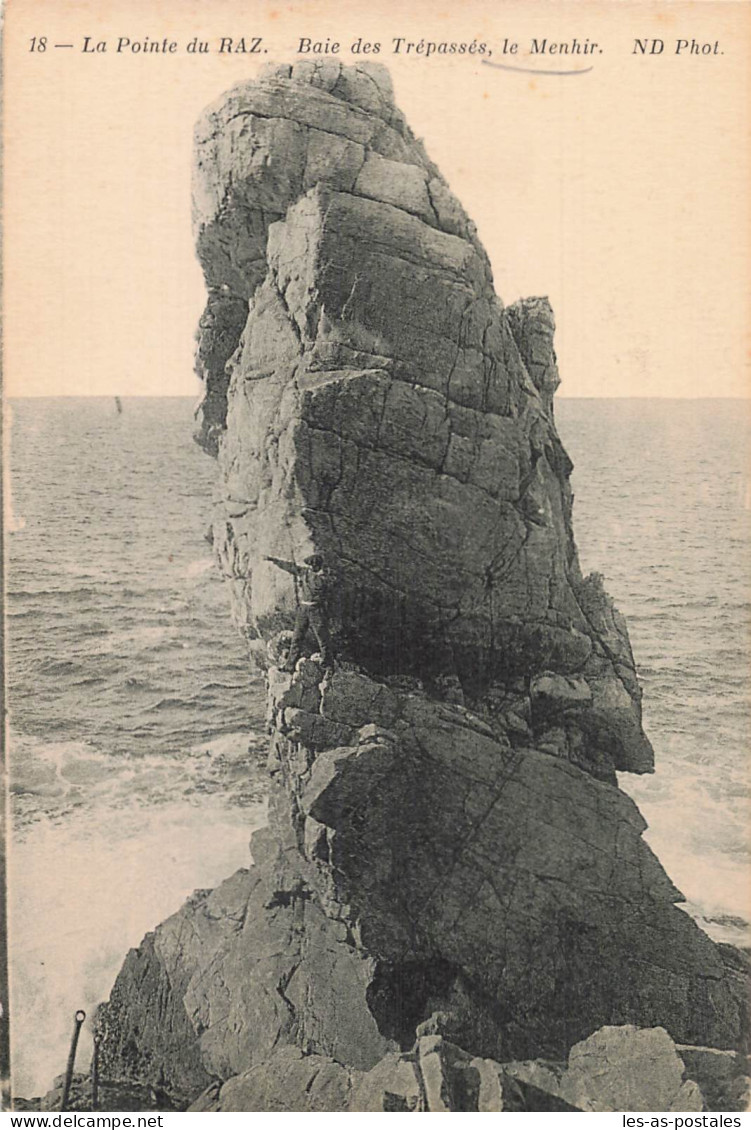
(451, 879)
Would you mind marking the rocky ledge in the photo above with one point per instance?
(452, 907)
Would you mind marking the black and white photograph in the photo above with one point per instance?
(376, 448)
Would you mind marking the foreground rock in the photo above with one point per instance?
(435, 1077)
(617, 1068)
(451, 882)
(621, 1068)
(627, 1068)
(724, 1077)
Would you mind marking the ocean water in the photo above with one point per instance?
(663, 509)
(136, 723)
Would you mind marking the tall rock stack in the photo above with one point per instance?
(451, 881)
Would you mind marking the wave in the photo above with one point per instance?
(169, 704)
(107, 868)
(58, 591)
(58, 667)
(223, 687)
(48, 777)
(145, 635)
(199, 567)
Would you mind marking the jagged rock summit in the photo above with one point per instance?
(451, 880)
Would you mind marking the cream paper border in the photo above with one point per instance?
(620, 192)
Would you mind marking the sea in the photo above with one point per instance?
(136, 723)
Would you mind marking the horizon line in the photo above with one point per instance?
(198, 396)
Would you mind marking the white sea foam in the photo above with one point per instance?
(143, 636)
(703, 846)
(83, 893)
(51, 780)
(200, 567)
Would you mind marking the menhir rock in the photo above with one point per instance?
(370, 398)
(451, 880)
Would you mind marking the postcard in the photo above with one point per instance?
(376, 476)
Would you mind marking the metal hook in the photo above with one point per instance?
(79, 1019)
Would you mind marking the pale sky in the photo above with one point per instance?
(622, 194)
